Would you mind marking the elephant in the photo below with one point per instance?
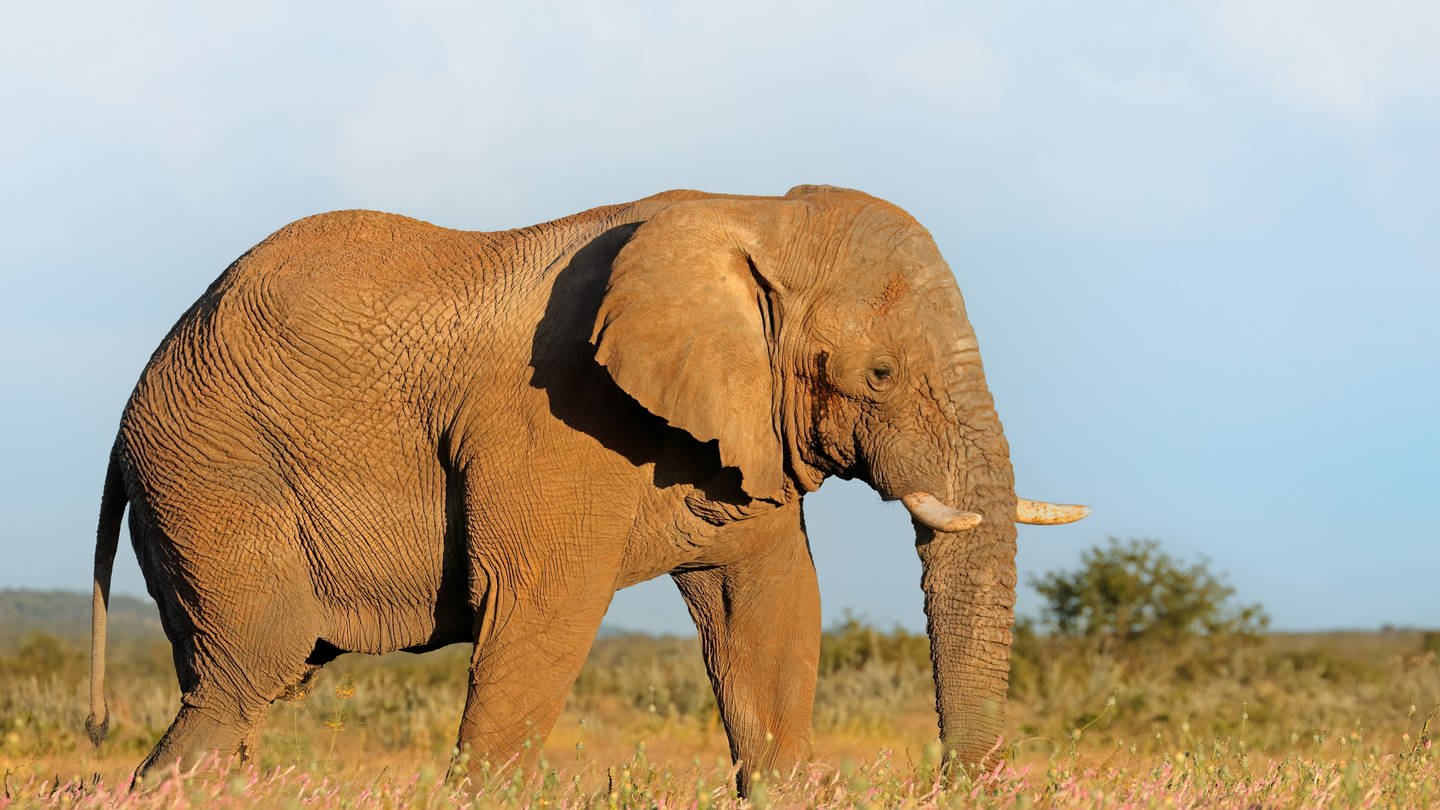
(371, 434)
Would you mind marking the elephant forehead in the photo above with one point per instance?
(905, 307)
(884, 231)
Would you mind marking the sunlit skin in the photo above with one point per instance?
(373, 434)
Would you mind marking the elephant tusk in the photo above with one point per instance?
(1040, 513)
(932, 512)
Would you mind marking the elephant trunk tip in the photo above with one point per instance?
(98, 727)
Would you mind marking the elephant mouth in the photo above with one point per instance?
(933, 513)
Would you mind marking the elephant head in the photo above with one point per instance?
(822, 334)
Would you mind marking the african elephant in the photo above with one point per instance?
(372, 434)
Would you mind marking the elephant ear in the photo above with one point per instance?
(685, 328)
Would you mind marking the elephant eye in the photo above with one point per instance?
(881, 374)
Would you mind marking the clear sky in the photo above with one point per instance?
(1198, 241)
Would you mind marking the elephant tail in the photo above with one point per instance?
(107, 537)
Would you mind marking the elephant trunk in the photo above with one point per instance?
(969, 584)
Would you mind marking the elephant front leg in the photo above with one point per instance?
(530, 646)
(759, 623)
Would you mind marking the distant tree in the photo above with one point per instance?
(1129, 592)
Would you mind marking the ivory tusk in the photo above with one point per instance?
(1040, 513)
(932, 512)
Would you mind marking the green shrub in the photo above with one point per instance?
(1131, 592)
(853, 644)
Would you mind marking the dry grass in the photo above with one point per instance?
(1295, 721)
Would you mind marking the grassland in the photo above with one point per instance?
(1341, 719)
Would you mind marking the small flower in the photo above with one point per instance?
(345, 690)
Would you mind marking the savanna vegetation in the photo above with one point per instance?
(1142, 683)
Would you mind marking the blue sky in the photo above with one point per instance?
(1198, 240)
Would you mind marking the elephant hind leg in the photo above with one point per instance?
(234, 666)
(202, 728)
(223, 716)
(243, 628)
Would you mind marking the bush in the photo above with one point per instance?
(854, 644)
(1430, 642)
(1132, 592)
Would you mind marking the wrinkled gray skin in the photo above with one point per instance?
(374, 434)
